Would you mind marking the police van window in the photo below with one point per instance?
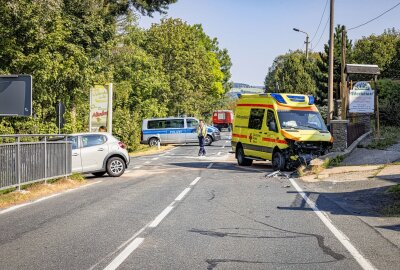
(154, 124)
(175, 123)
(192, 123)
(256, 118)
(271, 119)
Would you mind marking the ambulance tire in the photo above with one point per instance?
(278, 161)
(242, 160)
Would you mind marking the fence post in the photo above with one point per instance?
(19, 162)
(45, 159)
(66, 156)
(339, 133)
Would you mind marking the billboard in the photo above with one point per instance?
(15, 95)
(100, 107)
(362, 98)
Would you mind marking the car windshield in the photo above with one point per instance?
(301, 120)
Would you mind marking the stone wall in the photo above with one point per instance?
(339, 133)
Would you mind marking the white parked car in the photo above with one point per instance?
(98, 153)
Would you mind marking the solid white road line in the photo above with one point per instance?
(363, 262)
(183, 193)
(161, 216)
(195, 181)
(137, 167)
(124, 254)
(12, 208)
(210, 165)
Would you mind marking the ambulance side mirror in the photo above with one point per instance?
(272, 126)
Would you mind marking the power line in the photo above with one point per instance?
(323, 32)
(323, 13)
(375, 17)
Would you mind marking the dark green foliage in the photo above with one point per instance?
(69, 45)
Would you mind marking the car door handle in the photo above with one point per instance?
(100, 149)
(75, 154)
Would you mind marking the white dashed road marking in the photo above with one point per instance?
(134, 242)
(363, 262)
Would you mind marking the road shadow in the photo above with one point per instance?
(226, 166)
(367, 202)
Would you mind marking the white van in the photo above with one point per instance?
(175, 130)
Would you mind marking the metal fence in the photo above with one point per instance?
(32, 158)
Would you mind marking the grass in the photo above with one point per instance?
(393, 209)
(34, 191)
(147, 150)
(389, 135)
(332, 162)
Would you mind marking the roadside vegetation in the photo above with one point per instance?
(390, 135)
(143, 150)
(68, 46)
(35, 191)
(394, 208)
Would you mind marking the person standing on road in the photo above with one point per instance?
(202, 133)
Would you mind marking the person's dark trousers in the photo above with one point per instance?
(202, 150)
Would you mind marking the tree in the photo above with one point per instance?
(292, 73)
(193, 70)
(382, 50)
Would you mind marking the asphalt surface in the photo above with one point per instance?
(176, 210)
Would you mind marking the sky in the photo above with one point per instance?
(256, 31)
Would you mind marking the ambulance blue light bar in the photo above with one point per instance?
(311, 100)
(278, 97)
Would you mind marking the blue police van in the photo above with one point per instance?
(175, 130)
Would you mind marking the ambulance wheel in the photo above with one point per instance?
(278, 161)
(208, 140)
(242, 160)
(153, 142)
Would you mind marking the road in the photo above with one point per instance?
(176, 210)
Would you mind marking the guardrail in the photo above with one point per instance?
(26, 159)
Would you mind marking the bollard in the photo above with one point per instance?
(158, 142)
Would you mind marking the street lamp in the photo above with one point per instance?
(298, 30)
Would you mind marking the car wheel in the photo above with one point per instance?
(242, 160)
(208, 140)
(99, 174)
(153, 142)
(278, 161)
(115, 166)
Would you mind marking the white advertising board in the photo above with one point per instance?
(100, 107)
(361, 101)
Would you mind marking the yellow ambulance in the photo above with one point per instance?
(286, 129)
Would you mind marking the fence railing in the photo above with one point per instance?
(26, 159)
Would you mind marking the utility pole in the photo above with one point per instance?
(343, 90)
(307, 38)
(330, 75)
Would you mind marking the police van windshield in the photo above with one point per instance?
(301, 120)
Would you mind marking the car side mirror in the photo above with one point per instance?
(272, 126)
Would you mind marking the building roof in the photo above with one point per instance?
(362, 69)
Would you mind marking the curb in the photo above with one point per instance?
(348, 149)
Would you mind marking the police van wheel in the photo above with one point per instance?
(208, 140)
(278, 161)
(242, 160)
(153, 142)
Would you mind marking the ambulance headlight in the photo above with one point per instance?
(278, 97)
(311, 100)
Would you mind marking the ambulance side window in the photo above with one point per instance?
(256, 118)
(271, 123)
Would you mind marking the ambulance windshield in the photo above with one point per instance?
(301, 120)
